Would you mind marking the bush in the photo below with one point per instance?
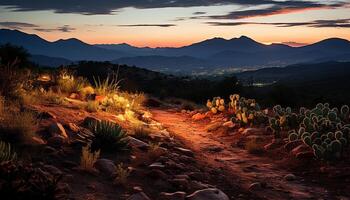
(92, 106)
(122, 175)
(108, 136)
(88, 159)
(23, 181)
(17, 127)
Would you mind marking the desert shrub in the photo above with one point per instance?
(12, 80)
(107, 86)
(108, 136)
(23, 181)
(92, 106)
(254, 146)
(53, 97)
(17, 127)
(141, 133)
(70, 84)
(122, 175)
(136, 99)
(88, 158)
(6, 153)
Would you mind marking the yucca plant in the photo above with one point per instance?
(6, 153)
(106, 86)
(108, 136)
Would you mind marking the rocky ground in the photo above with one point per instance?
(186, 156)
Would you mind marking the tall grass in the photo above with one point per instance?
(107, 86)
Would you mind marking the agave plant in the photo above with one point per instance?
(108, 136)
(6, 153)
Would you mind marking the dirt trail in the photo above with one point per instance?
(244, 167)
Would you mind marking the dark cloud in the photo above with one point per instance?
(93, 7)
(17, 25)
(65, 29)
(199, 13)
(277, 8)
(148, 25)
(337, 23)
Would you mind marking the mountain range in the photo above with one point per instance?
(216, 53)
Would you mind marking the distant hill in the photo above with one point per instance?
(71, 49)
(299, 73)
(47, 61)
(242, 52)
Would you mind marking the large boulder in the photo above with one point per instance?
(208, 194)
(105, 166)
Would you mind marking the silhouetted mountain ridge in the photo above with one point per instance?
(241, 52)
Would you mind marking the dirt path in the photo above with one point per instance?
(245, 168)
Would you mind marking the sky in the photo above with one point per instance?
(174, 23)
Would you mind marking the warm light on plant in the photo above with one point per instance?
(88, 159)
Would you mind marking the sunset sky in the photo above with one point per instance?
(159, 23)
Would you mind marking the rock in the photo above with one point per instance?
(157, 174)
(184, 151)
(57, 129)
(73, 127)
(198, 116)
(138, 143)
(49, 149)
(290, 177)
(305, 155)
(137, 189)
(252, 131)
(156, 165)
(208, 194)
(300, 148)
(274, 144)
(255, 186)
(105, 166)
(182, 176)
(69, 164)
(74, 96)
(139, 196)
(56, 141)
(229, 124)
(291, 145)
(197, 185)
(152, 102)
(172, 196)
(38, 140)
(52, 170)
(180, 183)
(214, 126)
(47, 115)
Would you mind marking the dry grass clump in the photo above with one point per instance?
(122, 174)
(53, 97)
(16, 126)
(141, 133)
(68, 83)
(110, 85)
(88, 159)
(92, 106)
(253, 146)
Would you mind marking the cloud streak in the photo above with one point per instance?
(337, 23)
(147, 25)
(17, 25)
(276, 8)
(65, 29)
(96, 7)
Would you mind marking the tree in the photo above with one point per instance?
(14, 55)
